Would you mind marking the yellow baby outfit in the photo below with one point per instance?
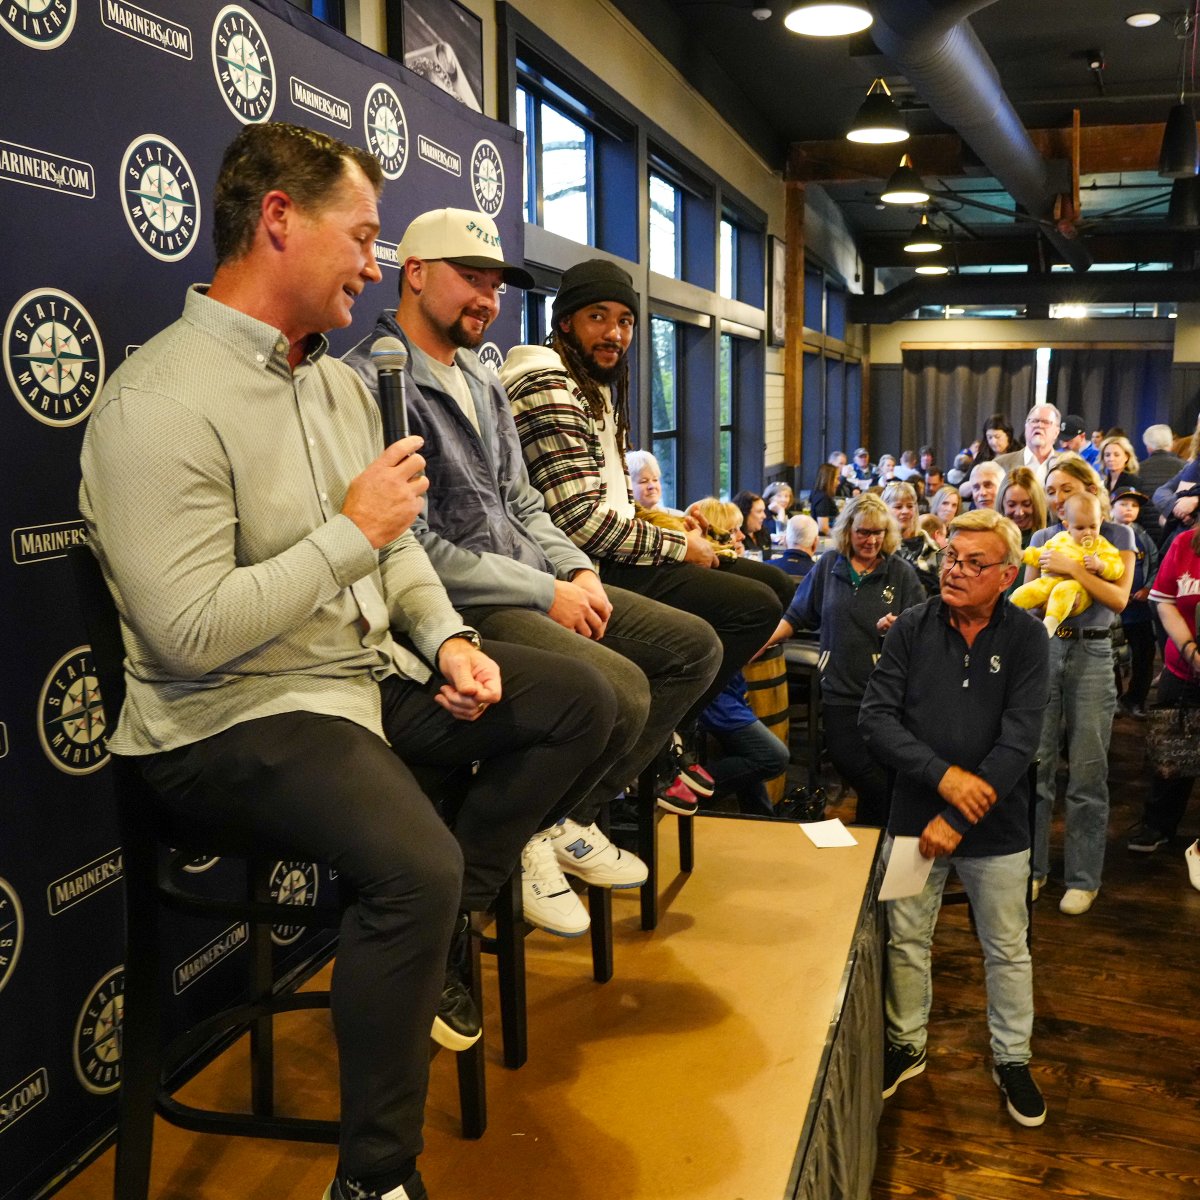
(1064, 597)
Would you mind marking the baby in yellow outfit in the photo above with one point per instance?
(1080, 540)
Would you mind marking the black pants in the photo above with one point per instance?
(853, 762)
(321, 787)
(1140, 636)
(742, 612)
(1169, 797)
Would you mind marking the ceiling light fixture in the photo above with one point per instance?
(828, 20)
(1183, 212)
(933, 268)
(905, 186)
(1179, 157)
(922, 240)
(1142, 20)
(878, 120)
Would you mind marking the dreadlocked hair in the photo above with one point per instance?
(566, 347)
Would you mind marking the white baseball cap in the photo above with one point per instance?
(461, 236)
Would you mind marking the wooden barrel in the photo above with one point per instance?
(767, 693)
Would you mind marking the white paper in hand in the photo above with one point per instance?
(907, 870)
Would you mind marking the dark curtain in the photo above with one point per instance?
(1129, 388)
(949, 394)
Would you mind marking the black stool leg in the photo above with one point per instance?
(647, 841)
(510, 970)
(472, 1093)
(141, 1024)
(687, 843)
(262, 1031)
(600, 912)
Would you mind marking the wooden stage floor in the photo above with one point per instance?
(686, 1076)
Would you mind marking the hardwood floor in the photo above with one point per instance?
(1116, 1040)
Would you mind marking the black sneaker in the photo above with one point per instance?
(900, 1063)
(1145, 839)
(688, 769)
(457, 1025)
(349, 1189)
(1021, 1094)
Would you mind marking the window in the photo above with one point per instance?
(559, 175)
(726, 403)
(728, 273)
(332, 12)
(665, 226)
(664, 417)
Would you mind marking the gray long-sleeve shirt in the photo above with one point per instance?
(213, 482)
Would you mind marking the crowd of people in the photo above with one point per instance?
(433, 660)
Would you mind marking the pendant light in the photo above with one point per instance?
(905, 186)
(878, 120)
(828, 20)
(1179, 157)
(923, 240)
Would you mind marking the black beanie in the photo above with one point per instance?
(593, 282)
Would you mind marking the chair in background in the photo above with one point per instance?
(151, 1071)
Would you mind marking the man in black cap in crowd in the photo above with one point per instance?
(507, 567)
(570, 399)
(1073, 435)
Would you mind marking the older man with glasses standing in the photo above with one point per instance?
(1042, 427)
(954, 708)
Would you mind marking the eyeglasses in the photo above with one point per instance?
(1040, 421)
(971, 568)
(869, 533)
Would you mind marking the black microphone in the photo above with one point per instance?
(390, 358)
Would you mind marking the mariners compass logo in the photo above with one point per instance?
(98, 1035)
(243, 65)
(71, 724)
(487, 177)
(53, 357)
(12, 931)
(159, 197)
(42, 24)
(387, 130)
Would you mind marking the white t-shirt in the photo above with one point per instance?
(616, 490)
(454, 383)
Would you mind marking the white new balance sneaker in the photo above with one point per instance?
(546, 895)
(585, 851)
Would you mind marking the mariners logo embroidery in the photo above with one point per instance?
(487, 177)
(243, 65)
(42, 24)
(53, 357)
(490, 356)
(98, 1035)
(12, 931)
(386, 130)
(71, 724)
(159, 197)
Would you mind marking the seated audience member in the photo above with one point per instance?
(934, 528)
(847, 481)
(984, 482)
(1080, 540)
(779, 500)
(511, 571)
(908, 466)
(1136, 617)
(293, 662)
(935, 480)
(946, 504)
(919, 551)
(800, 539)
(998, 438)
(821, 503)
(853, 596)
(1155, 469)
(957, 475)
(1175, 594)
(754, 515)
(926, 459)
(885, 471)
(570, 401)
(962, 790)
(749, 752)
(863, 468)
(645, 481)
(1091, 453)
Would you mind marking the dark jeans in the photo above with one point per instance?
(1169, 797)
(320, 787)
(742, 612)
(853, 762)
(1140, 636)
(656, 661)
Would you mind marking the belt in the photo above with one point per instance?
(1065, 631)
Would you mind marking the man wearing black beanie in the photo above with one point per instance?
(570, 400)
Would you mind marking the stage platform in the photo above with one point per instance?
(736, 1053)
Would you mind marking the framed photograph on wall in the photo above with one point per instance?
(443, 42)
(777, 292)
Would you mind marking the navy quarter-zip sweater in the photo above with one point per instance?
(932, 703)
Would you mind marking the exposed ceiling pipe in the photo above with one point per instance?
(1100, 287)
(932, 44)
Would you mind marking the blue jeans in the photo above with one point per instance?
(749, 755)
(996, 887)
(1083, 694)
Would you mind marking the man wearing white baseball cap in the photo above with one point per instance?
(514, 575)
